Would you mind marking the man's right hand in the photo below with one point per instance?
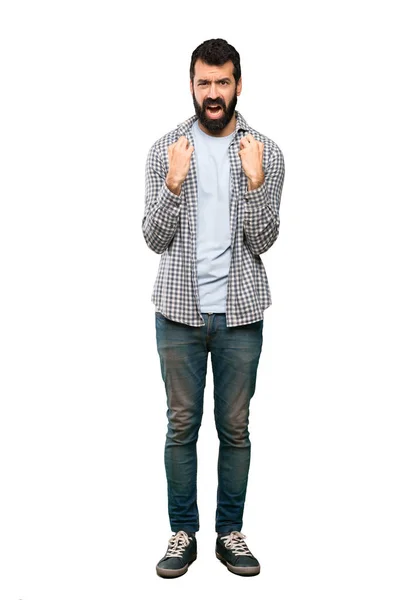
(179, 155)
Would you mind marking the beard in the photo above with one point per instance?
(214, 125)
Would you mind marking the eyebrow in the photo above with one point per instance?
(223, 80)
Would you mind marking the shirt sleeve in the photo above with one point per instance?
(162, 207)
(261, 218)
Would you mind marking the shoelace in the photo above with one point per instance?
(235, 542)
(177, 544)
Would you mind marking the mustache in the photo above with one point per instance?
(210, 101)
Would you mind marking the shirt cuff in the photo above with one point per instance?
(168, 197)
(254, 197)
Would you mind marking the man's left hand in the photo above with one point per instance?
(251, 155)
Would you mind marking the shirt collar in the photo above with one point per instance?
(241, 124)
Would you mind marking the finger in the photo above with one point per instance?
(250, 138)
(183, 142)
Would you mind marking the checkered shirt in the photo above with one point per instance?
(169, 228)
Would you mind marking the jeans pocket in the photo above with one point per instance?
(160, 319)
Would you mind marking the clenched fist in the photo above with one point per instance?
(179, 155)
(251, 155)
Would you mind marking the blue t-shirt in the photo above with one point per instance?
(213, 218)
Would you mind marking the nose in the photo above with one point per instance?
(213, 90)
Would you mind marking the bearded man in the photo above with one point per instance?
(213, 190)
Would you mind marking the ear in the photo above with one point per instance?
(191, 87)
(239, 87)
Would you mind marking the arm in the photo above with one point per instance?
(261, 218)
(162, 206)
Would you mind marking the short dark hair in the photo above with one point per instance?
(216, 52)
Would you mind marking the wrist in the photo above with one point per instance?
(173, 184)
(255, 181)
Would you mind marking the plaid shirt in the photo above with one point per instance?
(169, 228)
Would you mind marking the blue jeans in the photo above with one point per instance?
(235, 353)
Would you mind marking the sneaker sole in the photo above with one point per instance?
(239, 570)
(171, 573)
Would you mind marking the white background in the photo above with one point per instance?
(86, 89)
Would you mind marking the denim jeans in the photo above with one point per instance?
(235, 353)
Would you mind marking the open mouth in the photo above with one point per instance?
(214, 111)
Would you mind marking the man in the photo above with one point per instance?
(213, 189)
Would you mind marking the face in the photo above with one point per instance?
(214, 92)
